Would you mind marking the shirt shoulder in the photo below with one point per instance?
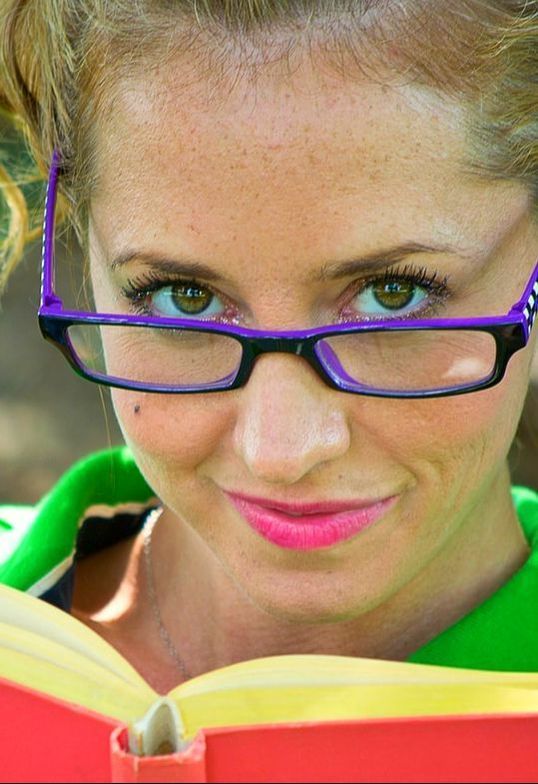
(502, 632)
(38, 544)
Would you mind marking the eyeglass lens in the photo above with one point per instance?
(400, 361)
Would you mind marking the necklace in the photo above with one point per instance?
(147, 530)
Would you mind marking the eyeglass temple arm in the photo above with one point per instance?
(528, 304)
(48, 295)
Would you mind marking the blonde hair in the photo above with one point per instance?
(59, 60)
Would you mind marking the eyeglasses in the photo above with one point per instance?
(384, 358)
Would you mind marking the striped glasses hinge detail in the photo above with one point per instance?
(531, 308)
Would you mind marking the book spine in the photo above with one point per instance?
(181, 766)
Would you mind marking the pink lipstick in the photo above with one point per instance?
(309, 526)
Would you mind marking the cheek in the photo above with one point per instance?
(469, 435)
(172, 430)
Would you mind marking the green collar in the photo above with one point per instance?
(502, 632)
(37, 543)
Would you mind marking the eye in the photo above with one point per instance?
(396, 297)
(397, 294)
(182, 300)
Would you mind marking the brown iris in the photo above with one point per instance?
(191, 298)
(395, 294)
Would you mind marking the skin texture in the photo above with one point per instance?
(256, 187)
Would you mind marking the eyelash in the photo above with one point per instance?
(139, 288)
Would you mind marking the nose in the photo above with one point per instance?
(289, 422)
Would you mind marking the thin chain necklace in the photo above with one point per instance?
(173, 652)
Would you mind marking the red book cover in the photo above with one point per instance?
(43, 739)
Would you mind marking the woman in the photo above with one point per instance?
(254, 169)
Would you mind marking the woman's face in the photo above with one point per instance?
(273, 186)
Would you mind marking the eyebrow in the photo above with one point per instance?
(380, 260)
(329, 271)
(186, 267)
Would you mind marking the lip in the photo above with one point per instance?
(309, 526)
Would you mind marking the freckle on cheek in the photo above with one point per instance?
(137, 409)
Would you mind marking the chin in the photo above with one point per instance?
(311, 608)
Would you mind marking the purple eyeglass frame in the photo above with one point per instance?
(510, 332)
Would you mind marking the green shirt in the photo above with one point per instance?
(39, 546)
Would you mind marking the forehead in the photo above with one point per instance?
(280, 150)
(277, 118)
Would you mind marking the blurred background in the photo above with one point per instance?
(49, 417)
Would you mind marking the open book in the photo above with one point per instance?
(47, 655)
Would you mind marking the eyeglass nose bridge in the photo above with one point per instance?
(299, 347)
(278, 345)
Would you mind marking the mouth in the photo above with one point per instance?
(309, 526)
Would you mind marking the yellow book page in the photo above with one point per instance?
(365, 701)
(319, 670)
(46, 666)
(310, 688)
(22, 611)
(49, 650)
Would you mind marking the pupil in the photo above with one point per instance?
(191, 299)
(394, 295)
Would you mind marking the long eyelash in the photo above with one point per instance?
(418, 276)
(138, 288)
